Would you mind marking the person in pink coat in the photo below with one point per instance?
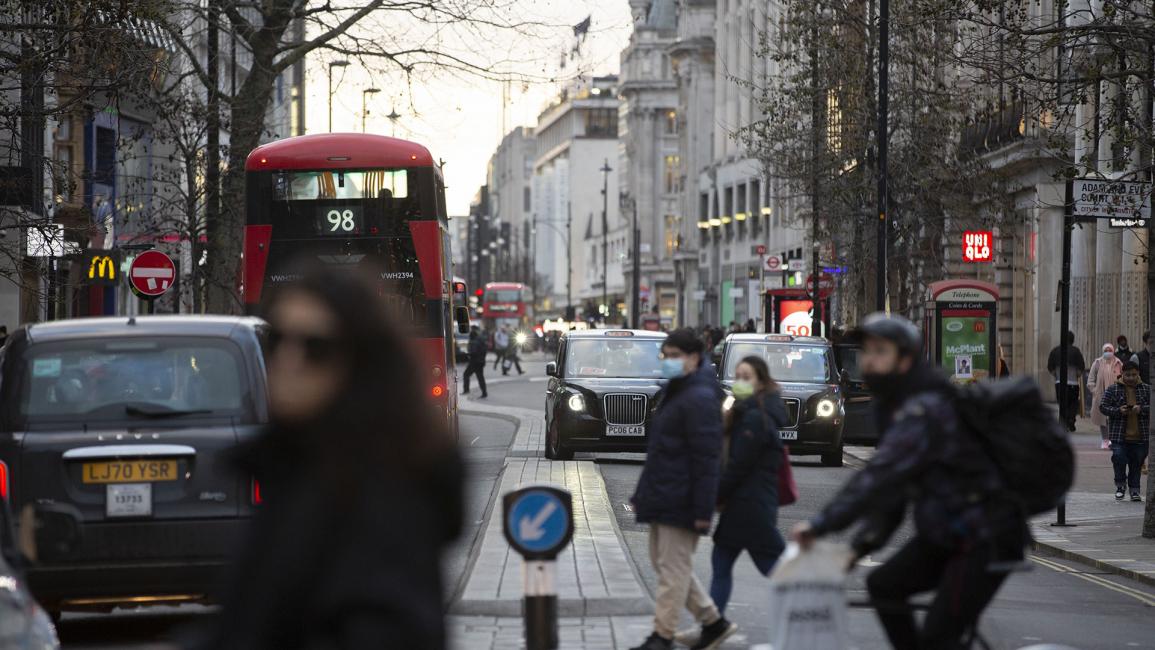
(1104, 372)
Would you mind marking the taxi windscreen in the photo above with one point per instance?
(94, 381)
(788, 362)
(613, 358)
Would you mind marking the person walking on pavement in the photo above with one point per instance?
(1127, 404)
(926, 454)
(352, 451)
(748, 491)
(476, 366)
(678, 488)
(1076, 366)
(1104, 373)
(512, 358)
(500, 345)
(1122, 352)
(1144, 359)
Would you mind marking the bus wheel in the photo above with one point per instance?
(553, 447)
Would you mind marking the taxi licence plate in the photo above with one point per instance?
(128, 500)
(624, 430)
(129, 471)
(788, 435)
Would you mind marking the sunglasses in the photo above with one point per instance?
(317, 349)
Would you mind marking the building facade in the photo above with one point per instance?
(581, 240)
(510, 182)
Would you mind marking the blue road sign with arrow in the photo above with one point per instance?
(538, 520)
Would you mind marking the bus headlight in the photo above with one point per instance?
(576, 403)
(825, 408)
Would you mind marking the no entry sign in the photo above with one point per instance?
(152, 273)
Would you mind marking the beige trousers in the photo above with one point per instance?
(672, 554)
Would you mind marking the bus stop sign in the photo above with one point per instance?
(538, 520)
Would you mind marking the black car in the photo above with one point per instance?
(132, 422)
(600, 395)
(812, 388)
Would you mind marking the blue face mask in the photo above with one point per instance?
(673, 368)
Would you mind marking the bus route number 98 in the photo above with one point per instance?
(340, 221)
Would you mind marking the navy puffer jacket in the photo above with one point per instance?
(679, 483)
(749, 486)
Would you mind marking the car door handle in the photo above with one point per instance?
(121, 451)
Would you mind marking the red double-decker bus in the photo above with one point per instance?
(508, 303)
(359, 200)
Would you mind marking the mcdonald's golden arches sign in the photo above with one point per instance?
(101, 267)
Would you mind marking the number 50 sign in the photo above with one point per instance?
(977, 246)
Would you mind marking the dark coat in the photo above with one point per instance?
(339, 568)
(477, 350)
(679, 483)
(748, 491)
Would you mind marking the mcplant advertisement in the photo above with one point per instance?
(966, 347)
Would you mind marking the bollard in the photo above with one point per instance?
(1061, 516)
(538, 524)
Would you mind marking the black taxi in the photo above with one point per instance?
(600, 395)
(812, 387)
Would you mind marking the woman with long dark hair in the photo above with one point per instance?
(748, 491)
(360, 482)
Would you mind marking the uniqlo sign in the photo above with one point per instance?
(977, 246)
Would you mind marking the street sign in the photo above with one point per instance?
(825, 281)
(151, 274)
(1114, 200)
(760, 249)
(103, 267)
(538, 520)
(773, 262)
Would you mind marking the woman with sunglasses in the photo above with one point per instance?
(361, 485)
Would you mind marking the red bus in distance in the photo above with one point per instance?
(359, 201)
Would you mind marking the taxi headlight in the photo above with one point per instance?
(825, 408)
(520, 338)
(728, 403)
(576, 403)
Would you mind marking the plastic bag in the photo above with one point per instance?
(808, 599)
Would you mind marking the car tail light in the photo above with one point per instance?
(3, 480)
(256, 492)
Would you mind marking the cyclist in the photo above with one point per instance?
(965, 532)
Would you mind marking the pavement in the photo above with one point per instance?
(1100, 532)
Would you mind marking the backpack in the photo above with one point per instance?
(1023, 436)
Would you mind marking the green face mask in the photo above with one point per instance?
(742, 389)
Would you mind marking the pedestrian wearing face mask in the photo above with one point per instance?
(748, 491)
(678, 488)
(1104, 373)
(1127, 404)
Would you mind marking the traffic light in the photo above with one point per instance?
(479, 293)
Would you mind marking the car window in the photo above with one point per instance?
(613, 357)
(848, 360)
(96, 380)
(787, 362)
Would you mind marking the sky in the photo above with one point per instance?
(459, 116)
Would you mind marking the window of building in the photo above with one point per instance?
(672, 174)
(526, 199)
(602, 123)
(671, 123)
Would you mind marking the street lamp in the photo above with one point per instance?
(627, 201)
(393, 116)
(341, 63)
(605, 170)
(364, 109)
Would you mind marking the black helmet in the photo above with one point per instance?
(894, 328)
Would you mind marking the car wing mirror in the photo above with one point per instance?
(49, 531)
(461, 315)
(551, 369)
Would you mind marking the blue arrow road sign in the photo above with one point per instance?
(538, 521)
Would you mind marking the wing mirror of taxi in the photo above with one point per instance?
(49, 532)
(461, 315)
(844, 376)
(551, 369)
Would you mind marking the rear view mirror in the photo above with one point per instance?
(49, 532)
(461, 315)
(551, 369)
